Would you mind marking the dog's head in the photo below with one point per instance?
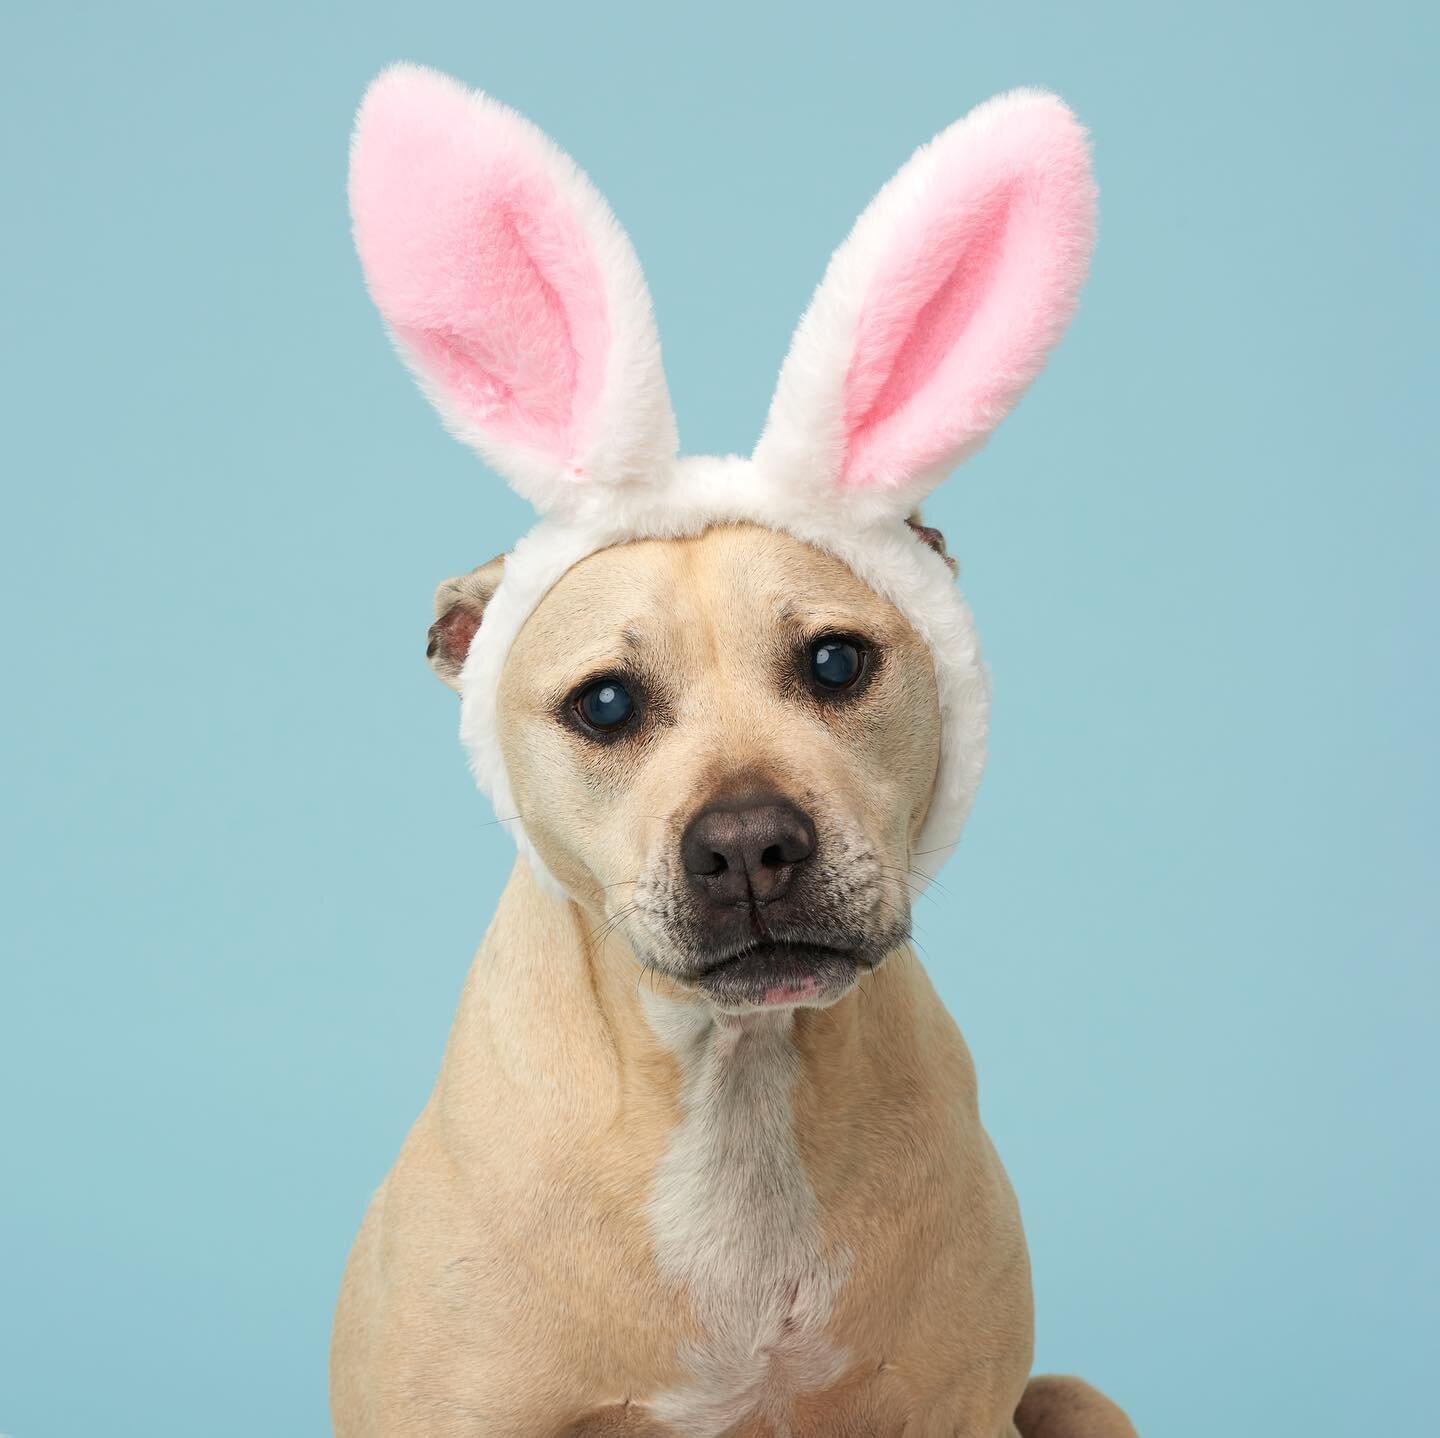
(727, 745)
(725, 697)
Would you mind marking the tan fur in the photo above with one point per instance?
(1055, 1407)
(506, 1280)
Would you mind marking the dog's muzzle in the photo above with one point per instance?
(763, 933)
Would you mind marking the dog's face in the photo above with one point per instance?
(726, 745)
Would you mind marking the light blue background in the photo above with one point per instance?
(1191, 934)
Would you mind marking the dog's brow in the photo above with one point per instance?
(613, 650)
(622, 651)
(829, 617)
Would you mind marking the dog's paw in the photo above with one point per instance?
(1056, 1407)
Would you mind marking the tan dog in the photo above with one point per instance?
(704, 1157)
(635, 1204)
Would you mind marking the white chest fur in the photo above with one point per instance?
(737, 1225)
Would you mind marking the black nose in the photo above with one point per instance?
(747, 848)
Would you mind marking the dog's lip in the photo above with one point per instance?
(775, 972)
(761, 951)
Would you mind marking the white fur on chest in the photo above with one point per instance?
(737, 1225)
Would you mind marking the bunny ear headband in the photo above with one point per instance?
(517, 300)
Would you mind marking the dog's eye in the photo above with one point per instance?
(835, 663)
(606, 704)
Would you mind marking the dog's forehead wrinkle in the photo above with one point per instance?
(704, 608)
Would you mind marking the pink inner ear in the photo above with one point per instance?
(976, 286)
(478, 262)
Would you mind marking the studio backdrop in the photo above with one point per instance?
(1190, 933)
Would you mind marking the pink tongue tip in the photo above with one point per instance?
(792, 993)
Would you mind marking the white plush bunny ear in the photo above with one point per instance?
(938, 309)
(509, 288)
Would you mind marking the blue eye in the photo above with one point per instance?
(835, 663)
(605, 704)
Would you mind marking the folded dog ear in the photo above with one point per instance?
(460, 605)
(509, 288)
(938, 309)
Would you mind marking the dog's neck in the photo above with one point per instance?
(581, 1030)
(640, 1131)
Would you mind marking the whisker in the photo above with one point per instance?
(907, 919)
(599, 935)
(900, 877)
(930, 882)
(645, 972)
(903, 910)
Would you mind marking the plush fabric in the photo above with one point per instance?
(519, 304)
(938, 309)
(508, 288)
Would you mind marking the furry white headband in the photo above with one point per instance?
(517, 300)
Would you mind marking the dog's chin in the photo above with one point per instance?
(776, 974)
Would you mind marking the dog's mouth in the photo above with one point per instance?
(780, 973)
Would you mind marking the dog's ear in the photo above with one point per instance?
(937, 311)
(459, 609)
(509, 289)
(933, 538)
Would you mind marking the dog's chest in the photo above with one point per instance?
(737, 1227)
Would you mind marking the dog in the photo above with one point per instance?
(704, 1155)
